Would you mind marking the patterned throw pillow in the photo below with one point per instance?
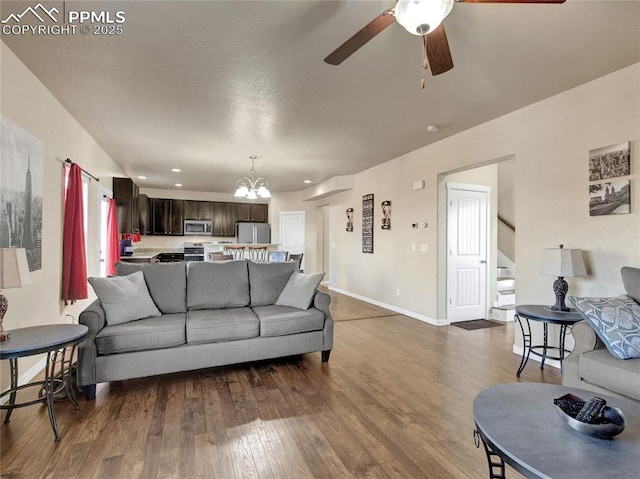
(616, 321)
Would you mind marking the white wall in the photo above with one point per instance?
(29, 105)
(550, 142)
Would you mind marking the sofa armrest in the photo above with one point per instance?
(321, 302)
(94, 318)
(585, 338)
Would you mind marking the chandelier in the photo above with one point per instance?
(251, 187)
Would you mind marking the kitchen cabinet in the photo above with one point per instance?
(259, 212)
(126, 194)
(144, 214)
(256, 212)
(198, 210)
(224, 219)
(167, 216)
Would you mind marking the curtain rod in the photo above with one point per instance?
(68, 161)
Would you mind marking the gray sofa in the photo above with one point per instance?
(591, 365)
(210, 314)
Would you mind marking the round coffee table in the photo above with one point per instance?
(518, 424)
(53, 340)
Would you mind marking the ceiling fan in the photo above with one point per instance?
(419, 17)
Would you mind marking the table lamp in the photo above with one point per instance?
(562, 263)
(14, 273)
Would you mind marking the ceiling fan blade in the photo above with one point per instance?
(510, 1)
(365, 34)
(438, 51)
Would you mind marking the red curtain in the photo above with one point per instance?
(113, 245)
(74, 261)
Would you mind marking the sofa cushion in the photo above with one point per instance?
(616, 321)
(214, 325)
(284, 320)
(124, 298)
(267, 281)
(299, 290)
(217, 285)
(631, 281)
(163, 331)
(167, 283)
(602, 369)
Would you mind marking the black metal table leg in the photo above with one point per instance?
(545, 344)
(49, 382)
(13, 364)
(496, 464)
(526, 344)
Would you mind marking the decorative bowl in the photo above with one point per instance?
(611, 424)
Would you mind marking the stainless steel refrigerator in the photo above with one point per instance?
(252, 233)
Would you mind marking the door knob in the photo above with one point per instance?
(483, 261)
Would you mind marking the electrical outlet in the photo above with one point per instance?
(413, 246)
(424, 247)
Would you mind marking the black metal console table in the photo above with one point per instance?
(545, 315)
(54, 340)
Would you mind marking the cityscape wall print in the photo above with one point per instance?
(21, 189)
(612, 197)
(367, 224)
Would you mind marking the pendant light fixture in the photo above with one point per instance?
(251, 187)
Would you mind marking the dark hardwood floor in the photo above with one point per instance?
(394, 401)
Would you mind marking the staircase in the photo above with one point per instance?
(504, 307)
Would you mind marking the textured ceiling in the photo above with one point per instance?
(202, 85)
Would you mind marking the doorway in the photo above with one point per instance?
(322, 222)
(292, 233)
(467, 251)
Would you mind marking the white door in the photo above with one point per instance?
(467, 240)
(292, 232)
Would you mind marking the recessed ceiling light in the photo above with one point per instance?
(142, 177)
(433, 128)
(307, 181)
(178, 184)
(176, 170)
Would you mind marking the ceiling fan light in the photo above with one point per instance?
(421, 17)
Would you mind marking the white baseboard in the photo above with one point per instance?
(28, 376)
(532, 357)
(395, 309)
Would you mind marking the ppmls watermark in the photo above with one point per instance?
(40, 20)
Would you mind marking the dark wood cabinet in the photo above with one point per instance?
(243, 211)
(126, 194)
(224, 219)
(144, 210)
(167, 216)
(198, 210)
(259, 212)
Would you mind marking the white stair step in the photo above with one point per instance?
(500, 314)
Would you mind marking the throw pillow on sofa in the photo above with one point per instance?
(124, 298)
(299, 290)
(616, 321)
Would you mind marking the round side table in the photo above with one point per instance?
(545, 315)
(54, 340)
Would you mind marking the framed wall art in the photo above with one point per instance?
(610, 161)
(21, 175)
(610, 198)
(367, 223)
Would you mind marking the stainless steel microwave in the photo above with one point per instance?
(198, 227)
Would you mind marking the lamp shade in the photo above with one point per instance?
(562, 262)
(14, 270)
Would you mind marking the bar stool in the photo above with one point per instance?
(236, 251)
(258, 253)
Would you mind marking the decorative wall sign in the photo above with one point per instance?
(386, 215)
(349, 219)
(610, 162)
(610, 198)
(21, 173)
(367, 224)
